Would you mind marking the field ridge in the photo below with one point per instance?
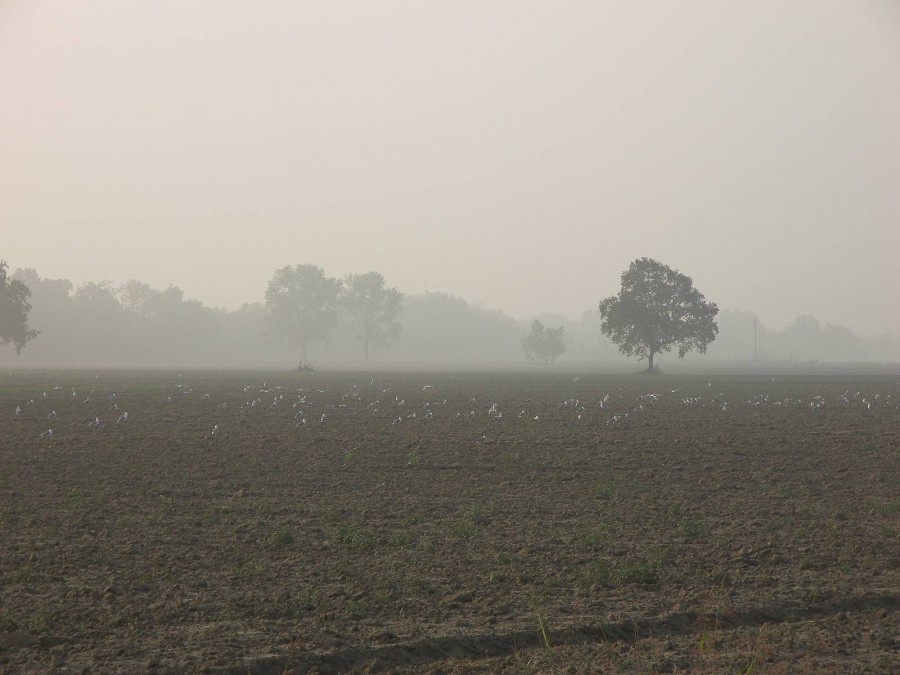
(486, 645)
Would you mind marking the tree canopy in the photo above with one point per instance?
(542, 344)
(656, 309)
(14, 308)
(303, 302)
(374, 308)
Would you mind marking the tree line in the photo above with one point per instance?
(304, 315)
(307, 315)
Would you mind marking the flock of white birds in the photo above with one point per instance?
(305, 408)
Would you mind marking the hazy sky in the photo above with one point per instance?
(518, 154)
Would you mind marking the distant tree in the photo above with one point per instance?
(440, 328)
(802, 338)
(807, 339)
(302, 303)
(543, 345)
(28, 276)
(53, 315)
(656, 309)
(137, 297)
(14, 308)
(98, 299)
(170, 326)
(374, 308)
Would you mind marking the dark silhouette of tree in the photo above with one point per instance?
(374, 308)
(656, 309)
(543, 345)
(14, 308)
(302, 303)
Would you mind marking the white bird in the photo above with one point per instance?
(95, 422)
(48, 433)
(215, 430)
(18, 410)
(123, 417)
(52, 414)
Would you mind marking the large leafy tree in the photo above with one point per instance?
(14, 308)
(374, 308)
(542, 344)
(302, 303)
(656, 309)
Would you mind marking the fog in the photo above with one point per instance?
(99, 324)
(496, 162)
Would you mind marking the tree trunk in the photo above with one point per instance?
(303, 351)
(650, 367)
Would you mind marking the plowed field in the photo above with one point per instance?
(296, 522)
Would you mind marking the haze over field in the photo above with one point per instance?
(519, 155)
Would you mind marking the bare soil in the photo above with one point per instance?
(441, 523)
